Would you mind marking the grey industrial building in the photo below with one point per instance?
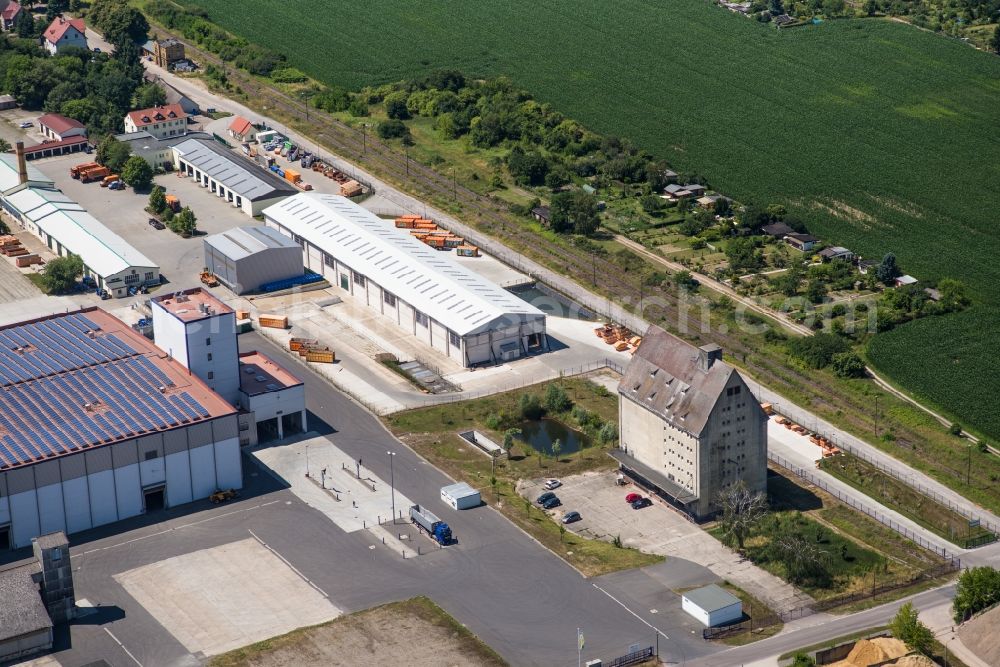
(690, 427)
(230, 176)
(245, 258)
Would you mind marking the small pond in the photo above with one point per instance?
(540, 435)
(550, 302)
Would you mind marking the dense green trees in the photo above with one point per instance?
(978, 589)
(118, 22)
(137, 173)
(113, 154)
(574, 211)
(60, 274)
(157, 200)
(907, 628)
(818, 350)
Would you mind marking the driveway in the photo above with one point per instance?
(660, 529)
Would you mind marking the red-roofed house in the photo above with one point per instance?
(9, 14)
(63, 33)
(164, 121)
(242, 130)
(58, 127)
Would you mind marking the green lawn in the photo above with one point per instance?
(433, 432)
(876, 133)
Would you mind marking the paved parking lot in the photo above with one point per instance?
(659, 529)
(13, 285)
(180, 260)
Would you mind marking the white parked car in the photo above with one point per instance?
(552, 484)
(26, 124)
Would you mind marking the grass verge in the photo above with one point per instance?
(433, 432)
(383, 635)
(904, 499)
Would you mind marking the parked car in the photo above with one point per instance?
(570, 517)
(632, 497)
(551, 503)
(26, 124)
(156, 224)
(642, 502)
(552, 484)
(97, 49)
(544, 497)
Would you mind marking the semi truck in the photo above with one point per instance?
(437, 529)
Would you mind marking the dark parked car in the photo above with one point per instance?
(156, 224)
(642, 502)
(544, 497)
(551, 503)
(570, 517)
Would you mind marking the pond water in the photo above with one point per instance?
(540, 435)
(550, 302)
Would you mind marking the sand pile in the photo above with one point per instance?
(979, 636)
(915, 661)
(868, 652)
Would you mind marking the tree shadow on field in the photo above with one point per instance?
(785, 494)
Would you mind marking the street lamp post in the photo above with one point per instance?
(392, 485)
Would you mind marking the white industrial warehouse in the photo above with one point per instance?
(245, 258)
(423, 291)
(97, 425)
(230, 176)
(63, 225)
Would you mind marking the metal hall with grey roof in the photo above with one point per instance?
(423, 291)
(245, 258)
(230, 176)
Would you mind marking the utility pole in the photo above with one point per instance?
(968, 467)
(392, 483)
(876, 415)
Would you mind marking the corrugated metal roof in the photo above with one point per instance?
(712, 598)
(234, 171)
(9, 178)
(245, 241)
(429, 280)
(79, 232)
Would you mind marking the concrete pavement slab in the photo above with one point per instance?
(218, 599)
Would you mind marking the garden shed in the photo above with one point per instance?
(712, 605)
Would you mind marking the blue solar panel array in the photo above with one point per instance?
(60, 371)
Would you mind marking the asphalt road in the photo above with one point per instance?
(516, 595)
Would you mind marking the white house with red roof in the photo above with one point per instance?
(242, 130)
(9, 14)
(164, 121)
(63, 33)
(57, 127)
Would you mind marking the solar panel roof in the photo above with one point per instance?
(81, 380)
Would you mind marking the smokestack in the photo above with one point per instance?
(22, 166)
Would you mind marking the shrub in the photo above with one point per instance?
(530, 407)
(556, 399)
(608, 433)
(818, 350)
(848, 365)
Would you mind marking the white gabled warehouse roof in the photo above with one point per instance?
(79, 232)
(9, 178)
(429, 280)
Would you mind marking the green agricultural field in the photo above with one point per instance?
(957, 365)
(881, 136)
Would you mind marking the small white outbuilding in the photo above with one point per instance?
(460, 496)
(712, 605)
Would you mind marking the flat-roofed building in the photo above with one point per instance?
(97, 425)
(423, 291)
(272, 399)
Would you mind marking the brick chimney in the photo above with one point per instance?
(22, 165)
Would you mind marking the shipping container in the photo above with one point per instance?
(321, 355)
(274, 321)
(467, 251)
(292, 176)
